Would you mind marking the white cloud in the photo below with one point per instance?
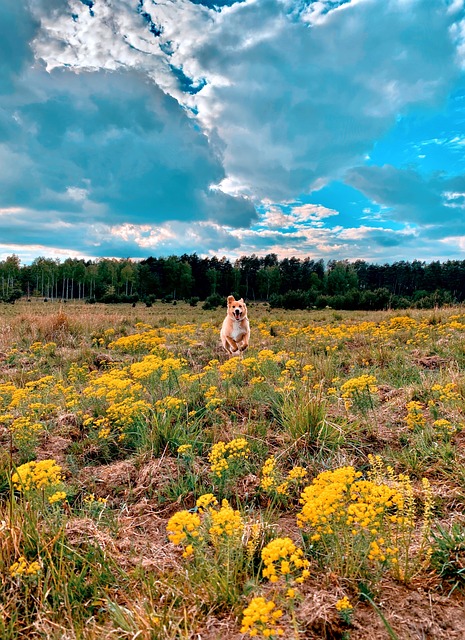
(296, 215)
(274, 218)
(455, 242)
(283, 126)
(312, 212)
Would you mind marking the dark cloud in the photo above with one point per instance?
(17, 28)
(434, 202)
(405, 190)
(101, 146)
(121, 142)
(216, 4)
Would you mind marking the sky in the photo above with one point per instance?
(331, 129)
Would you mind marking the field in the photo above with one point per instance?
(153, 488)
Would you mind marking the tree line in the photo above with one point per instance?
(292, 283)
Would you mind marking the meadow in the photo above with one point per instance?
(152, 487)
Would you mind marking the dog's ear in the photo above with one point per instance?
(231, 299)
(241, 300)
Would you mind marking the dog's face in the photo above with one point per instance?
(237, 309)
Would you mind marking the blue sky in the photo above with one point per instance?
(333, 129)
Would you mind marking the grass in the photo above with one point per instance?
(133, 405)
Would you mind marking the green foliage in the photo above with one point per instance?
(448, 556)
(290, 283)
(213, 302)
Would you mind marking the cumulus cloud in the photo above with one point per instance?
(162, 126)
(295, 214)
(121, 142)
(101, 145)
(92, 238)
(294, 92)
(287, 126)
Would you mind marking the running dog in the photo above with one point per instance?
(235, 332)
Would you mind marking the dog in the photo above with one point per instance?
(235, 332)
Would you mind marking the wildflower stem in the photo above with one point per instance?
(389, 629)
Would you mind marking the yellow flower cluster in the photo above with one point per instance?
(292, 365)
(76, 373)
(23, 428)
(273, 481)
(170, 404)
(359, 391)
(212, 365)
(213, 398)
(261, 617)
(184, 449)
(297, 473)
(339, 498)
(156, 365)
(353, 386)
(18, 397)
(269, 355)
(58, 496)
(37, 475)
(230, 368)
(42, 383)
(281, 557)
(41, 349)
(447, 392)
(379, 551)
(205, 501)
(402, 322)
(268, 481)
(138, 342)
(114, 385)
(415, 418)
(101, 425)
(218, 526)
(22, 567)
(183, 527)
(104, 433)
(344, 604)
(103, 338)
(225, 523)
(445, 427)
(43, 410)
(6, 393)
(222, 454)
(124, 413)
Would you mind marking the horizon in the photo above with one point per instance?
(59, 260)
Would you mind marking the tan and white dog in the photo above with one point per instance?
(235, 332)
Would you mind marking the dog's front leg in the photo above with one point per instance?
(244, 344)
(231, 344)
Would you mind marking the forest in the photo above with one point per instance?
(290, 283)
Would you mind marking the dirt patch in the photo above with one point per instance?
(156, 475)
(141, 539)
(82, 531)
(413, 614)
(114, 481)
(54, 447)
(431, 362)
(226, 629)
